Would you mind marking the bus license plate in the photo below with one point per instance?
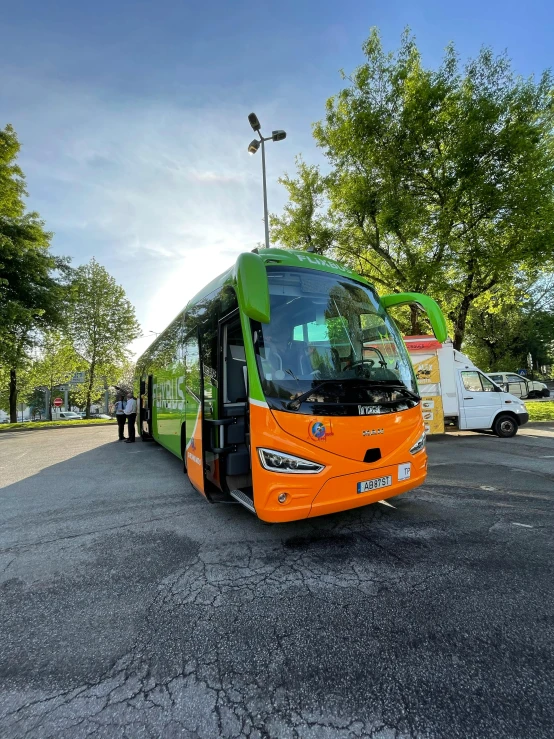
(378, 482)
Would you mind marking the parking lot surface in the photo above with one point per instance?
(130, 607)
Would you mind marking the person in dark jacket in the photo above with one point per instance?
(120, 416)
(131, 413)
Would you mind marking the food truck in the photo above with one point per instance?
(454, 390)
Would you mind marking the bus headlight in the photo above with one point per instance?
(281, 462)
(419, 445)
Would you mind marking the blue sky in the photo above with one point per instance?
(132, 115)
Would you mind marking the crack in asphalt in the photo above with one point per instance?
(424, 621)
(104, 529)
(128, 693)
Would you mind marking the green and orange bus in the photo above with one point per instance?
(285, 385)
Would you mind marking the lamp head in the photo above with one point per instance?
(278, 135)
(253, 146)
(254, 122)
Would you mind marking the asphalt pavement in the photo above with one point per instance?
(130, 607)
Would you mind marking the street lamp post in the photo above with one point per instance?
(252, 149)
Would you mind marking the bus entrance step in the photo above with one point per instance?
(243, 499)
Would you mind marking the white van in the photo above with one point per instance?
(462, 391)
(520, 386)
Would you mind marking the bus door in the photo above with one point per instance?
(193, 452)
(145, 422)
(230, 435)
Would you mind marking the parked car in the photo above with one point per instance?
(100, 415)
(519, 386)
(68, 416)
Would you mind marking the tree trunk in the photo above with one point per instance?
(414, 313)
(13, 396)
(48, 409)
(90, 386)
(460, 320)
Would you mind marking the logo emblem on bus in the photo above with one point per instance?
(373, 432)
(318, 430)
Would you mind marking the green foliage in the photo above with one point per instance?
(505, 327)
(35, 425)
(24, 384)
(58, 361)
(31, 278)
(440, 181)
(123, 376)
(56, 364)
(540, 411)
(304, 224)
(102, 324)
(12, 181)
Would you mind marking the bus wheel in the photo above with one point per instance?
(505, 426)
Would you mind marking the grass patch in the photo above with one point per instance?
(31, 426)
(540, 411)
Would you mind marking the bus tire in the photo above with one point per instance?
(505, 426)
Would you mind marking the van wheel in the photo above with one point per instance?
(546, 393)
(505, 426)
(533, 394)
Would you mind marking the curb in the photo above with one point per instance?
(56, 428)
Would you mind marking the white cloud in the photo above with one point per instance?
(164, 196)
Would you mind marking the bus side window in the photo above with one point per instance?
(236, 363)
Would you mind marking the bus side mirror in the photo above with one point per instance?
(252, 287)
(436, 318)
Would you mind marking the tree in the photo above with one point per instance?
(508, 327)
(56, 365)
(440, 181)
(24, 386)
(31, 277)
(124, 377)
(303, 223)
(102, 322)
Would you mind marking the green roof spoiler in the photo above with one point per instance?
(436, 317)
(252, 287)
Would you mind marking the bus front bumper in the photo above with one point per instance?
(339, 493)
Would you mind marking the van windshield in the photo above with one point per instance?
(329, 334)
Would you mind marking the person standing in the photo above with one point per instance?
(120, 416)
(131, 413)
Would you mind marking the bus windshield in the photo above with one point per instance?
(329, 335)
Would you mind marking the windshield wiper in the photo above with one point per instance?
(294, 404)
(387, 385)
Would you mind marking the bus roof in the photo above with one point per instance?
(287, 258)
